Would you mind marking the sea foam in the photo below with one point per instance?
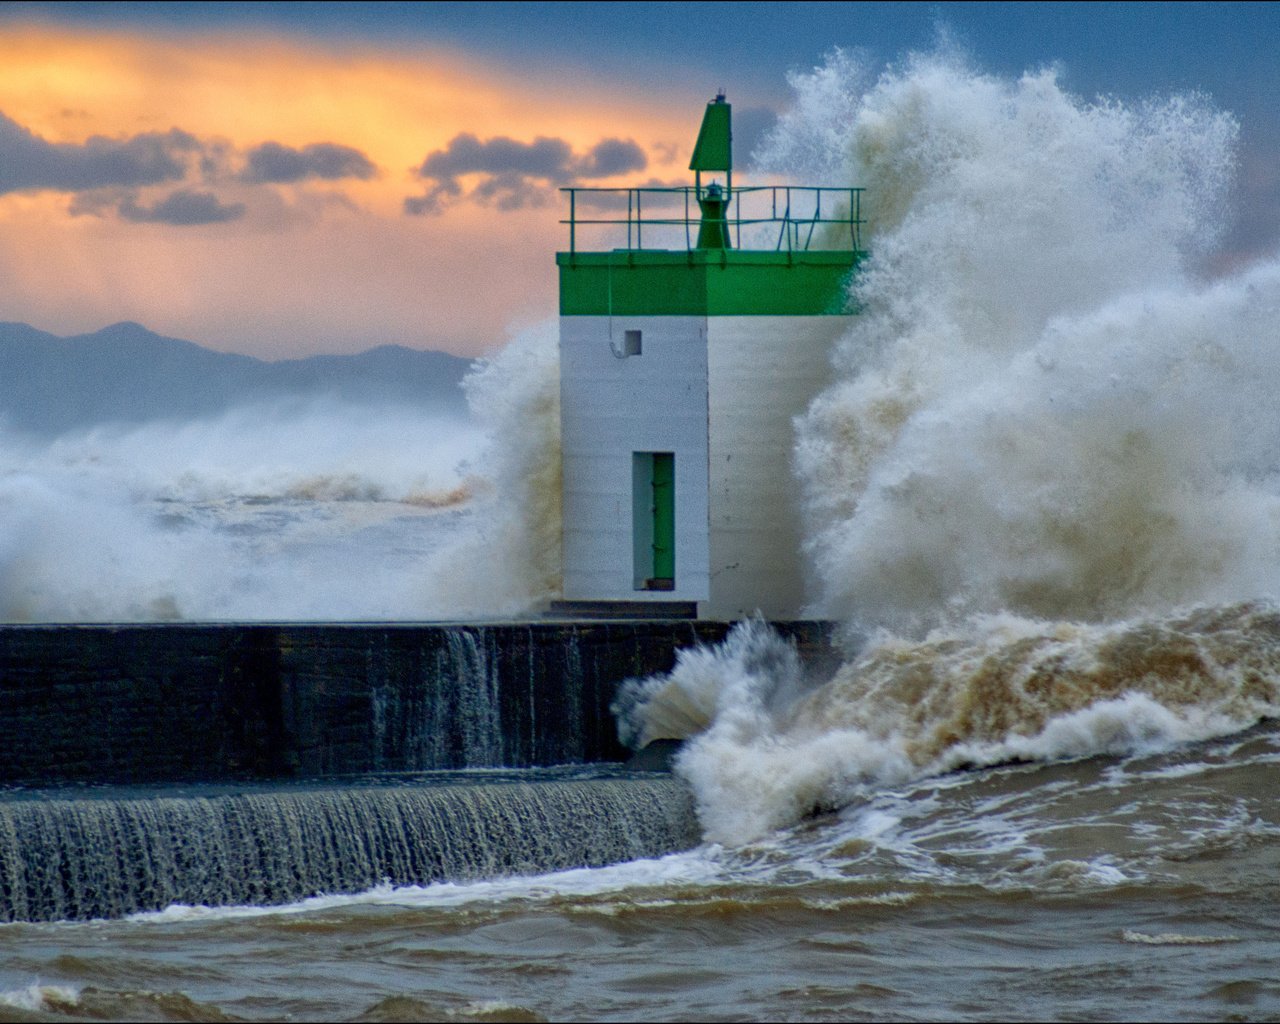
(1042, 495)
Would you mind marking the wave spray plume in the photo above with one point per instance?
(1047, 439)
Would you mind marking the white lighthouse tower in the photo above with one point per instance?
(686, 350)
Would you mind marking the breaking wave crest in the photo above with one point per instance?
(1048, 438)
(1041, 409)
(507, 559)
(1000, 689)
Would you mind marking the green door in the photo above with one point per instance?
(664, 521)
(653, 519)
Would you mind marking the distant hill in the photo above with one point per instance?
(127, 374)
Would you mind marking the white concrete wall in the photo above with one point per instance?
(763, 371)
(611, 407)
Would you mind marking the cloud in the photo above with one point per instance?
(668, 152)
(30, 163)
(511, 174)
(272, 163)
(542, 158)
(104, 174)
(421, 206)
(183, 207)
(609, 157)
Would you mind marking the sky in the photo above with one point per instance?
(288, 179)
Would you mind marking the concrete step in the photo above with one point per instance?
(622, 610)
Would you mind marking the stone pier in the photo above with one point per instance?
(161, 703)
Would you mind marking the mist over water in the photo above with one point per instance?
(507, 561)
(306, 510)
(1042, 496)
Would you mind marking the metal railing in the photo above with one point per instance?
(801, 214)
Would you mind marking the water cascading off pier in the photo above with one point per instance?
(107, 855)
(227, 764)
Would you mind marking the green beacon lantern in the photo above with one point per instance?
(714, 152)
(695, 324)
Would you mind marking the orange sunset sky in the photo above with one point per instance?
(279, 264)
(283, 179)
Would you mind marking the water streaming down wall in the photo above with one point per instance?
(76, 859)
(157, 703)
(261, 706)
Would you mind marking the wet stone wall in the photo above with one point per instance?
(177, 702)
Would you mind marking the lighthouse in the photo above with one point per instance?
(695, 324)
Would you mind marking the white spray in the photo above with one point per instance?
(508, 559)
(291, 510)
(1041, 419)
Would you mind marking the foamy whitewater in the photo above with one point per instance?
(263, 512)
(1042, 495)
(294, 510)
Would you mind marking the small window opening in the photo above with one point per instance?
(631, 343)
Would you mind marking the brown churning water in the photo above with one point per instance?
(1109, 887)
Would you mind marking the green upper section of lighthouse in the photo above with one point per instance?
(714, 149)
(710, 249)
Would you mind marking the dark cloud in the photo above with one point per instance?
(183, 207)
(94, 203)
(513, 174)
(105, 175)
(29, 163)
(542, 158)
(511, 191)
(421, 206)
(276, 164)
(612, 156)
(216, 156)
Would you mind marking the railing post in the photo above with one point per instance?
(817, 217)
(573, 221)
(789, 219)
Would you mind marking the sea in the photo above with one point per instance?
(1042, 503)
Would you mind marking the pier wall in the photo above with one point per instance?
(147, 703)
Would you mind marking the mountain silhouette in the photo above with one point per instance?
(127, 374)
